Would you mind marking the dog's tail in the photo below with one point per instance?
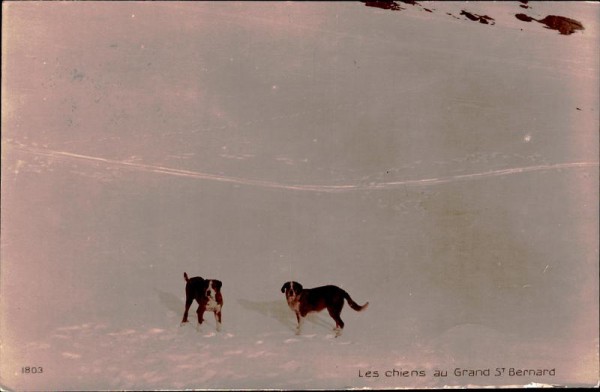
(353, 304)
(185, 276)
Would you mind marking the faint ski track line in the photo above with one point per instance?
(308, 187)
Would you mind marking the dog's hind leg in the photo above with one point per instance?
(339, 323)
(188, 303)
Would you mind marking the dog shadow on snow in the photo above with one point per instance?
(171, 301)
(280, 311)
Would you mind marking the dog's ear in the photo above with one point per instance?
(285, 286)
(218, 283)
(297, 287)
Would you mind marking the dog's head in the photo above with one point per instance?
(213, 286)
(291, 289)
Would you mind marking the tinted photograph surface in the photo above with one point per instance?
(291, 195)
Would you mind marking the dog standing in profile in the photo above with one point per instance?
(303, 301)
(207, 292)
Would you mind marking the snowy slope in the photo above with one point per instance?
(443, 169)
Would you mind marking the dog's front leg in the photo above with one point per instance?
(300, 322)
(218, 319)
(200, 312)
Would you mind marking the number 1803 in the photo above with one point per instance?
(32, 370)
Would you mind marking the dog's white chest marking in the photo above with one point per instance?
(294, 303)
(212, 304)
